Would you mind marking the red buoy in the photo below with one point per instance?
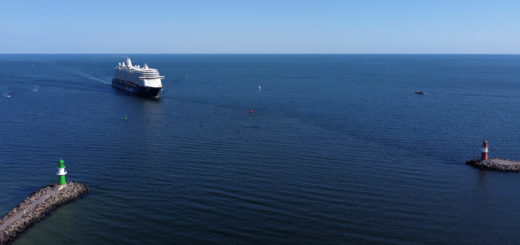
(484, 155)
(251, 111)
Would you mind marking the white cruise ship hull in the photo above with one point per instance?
(148, 92)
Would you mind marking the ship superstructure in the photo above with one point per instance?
(143, 81)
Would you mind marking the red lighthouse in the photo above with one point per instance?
(484, 155)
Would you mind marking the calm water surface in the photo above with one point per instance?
(339, 148)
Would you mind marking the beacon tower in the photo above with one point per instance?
(61, 173)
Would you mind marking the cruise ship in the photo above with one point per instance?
(143, 81)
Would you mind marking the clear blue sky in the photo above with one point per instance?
(264, 26)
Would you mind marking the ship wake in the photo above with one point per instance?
(85, 75)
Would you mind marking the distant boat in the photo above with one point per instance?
(419, 92)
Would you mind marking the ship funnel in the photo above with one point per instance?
(145, 66)
(128, 62)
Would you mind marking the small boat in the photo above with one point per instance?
(419, 92)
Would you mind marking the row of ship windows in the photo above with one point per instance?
(131, 70)
(140, 75)
(148, 72)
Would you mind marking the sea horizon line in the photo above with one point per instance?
(259, 53)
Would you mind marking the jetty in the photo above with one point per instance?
(38, 205)
(505, 165)
(498, 164)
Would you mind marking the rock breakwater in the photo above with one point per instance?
(498, 164)
(36, 207)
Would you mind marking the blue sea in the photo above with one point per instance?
(339, 149)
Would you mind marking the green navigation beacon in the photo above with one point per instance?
(61, 173)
